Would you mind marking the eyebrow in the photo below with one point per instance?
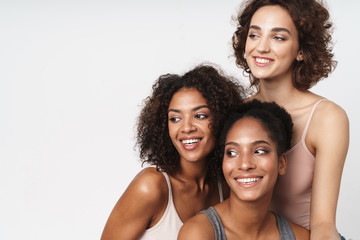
(194, 109)
(253, 143)
(276, 29)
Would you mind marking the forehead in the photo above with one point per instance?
(273, 16)
(249, 129)
(187, 96)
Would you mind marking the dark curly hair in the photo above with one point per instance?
(272, 116)
(314, 28)
(223, 94)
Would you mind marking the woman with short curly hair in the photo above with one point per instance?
(285, 47)
(311, 20)
(254, 141)
(178, 129)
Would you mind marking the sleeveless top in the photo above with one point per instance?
(170, 223)
(292, 192)
(285, 230)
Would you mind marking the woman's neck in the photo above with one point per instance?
(248, 218)
(281, 92)
(192, 173)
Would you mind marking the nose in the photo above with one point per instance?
(188, 125)
(263, 45)
(246, 162)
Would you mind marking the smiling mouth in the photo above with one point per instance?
(262, 60)
(190, 141)
(248, 180)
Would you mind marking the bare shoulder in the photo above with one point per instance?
(150, 174)
(329, 122)
(300, 232)
(330, 112)
(140, 207)
(150, 184)
(197, 227)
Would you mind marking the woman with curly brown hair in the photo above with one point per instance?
(285, 48)
(178, 130)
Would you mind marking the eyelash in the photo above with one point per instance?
(278, 38)
(201, 116)
(174, 119)
(252, 36)
(197, 116)
(231, 153)
(263, 151)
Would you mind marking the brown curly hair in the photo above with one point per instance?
(311, 19)
(223, 95)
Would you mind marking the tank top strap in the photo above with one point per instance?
(310, 117)
(285, 230)
(216, 223)
(169, 185)
(170, 223)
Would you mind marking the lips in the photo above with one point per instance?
(190, 141)
(261, 61)
(190, 144)
(248, 181)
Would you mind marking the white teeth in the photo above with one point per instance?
(262, 60)
(247, 180)
(190, 141)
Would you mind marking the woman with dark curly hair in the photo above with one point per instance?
(178, 129)
(285, 48)
(254, 141)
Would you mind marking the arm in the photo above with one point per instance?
(329, 139)
(139, 208)
(197, 227)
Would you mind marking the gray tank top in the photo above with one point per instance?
(286, 232)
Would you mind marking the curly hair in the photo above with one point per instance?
(223, 94)
(275, 119)
(311, 20)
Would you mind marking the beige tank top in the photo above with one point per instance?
(292, 192)
(170, 223)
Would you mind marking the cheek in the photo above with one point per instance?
(227, 165)
(208, 133)
(283, 52)
(172, 131)
(271, 167)
(248, 47)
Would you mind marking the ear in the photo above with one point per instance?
(299, 56)
(282, 164)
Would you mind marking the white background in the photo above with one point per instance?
(73, 75)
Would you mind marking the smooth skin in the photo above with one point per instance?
(144, 201)
(273, 36)
(249, 153)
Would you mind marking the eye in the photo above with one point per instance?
(252, 35)
(279, 38)
(174, 119)
(201, 116)
(231, 153)
(261, 151)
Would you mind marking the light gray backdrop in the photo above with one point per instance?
(73, 75)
